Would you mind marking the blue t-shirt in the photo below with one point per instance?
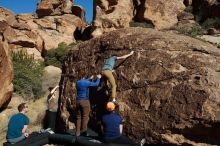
(111, 123)
(109, 63)
(82, 88)
(16, 124)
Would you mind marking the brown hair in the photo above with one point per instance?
(50, 88)
(21, 106)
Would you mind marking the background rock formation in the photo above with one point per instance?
(169, 87)
(110, 15)
(37, 35)
(206, 8)
(6, 86)
(54, 7)
(162, 14)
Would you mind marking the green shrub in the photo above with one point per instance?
(190, 31)
(189, 9)
(56, 56)
(211, 22)
(27, 75)
(141, 24)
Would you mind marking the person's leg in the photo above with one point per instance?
(52, 120)
(37, 138)
(78, 118)
(111, 80)
(15, 140)
(127, 140)
(85, 116)
(123, 140)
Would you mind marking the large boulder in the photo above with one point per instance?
(79, 11)
(170, 86)
(161, 13)
(6, 18)
(51, 77)
(206, 8)
(7, 14)
(6, 86)
(54, 7)
(110, 15)
(58, 29)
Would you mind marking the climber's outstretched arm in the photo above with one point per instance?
(126, 56)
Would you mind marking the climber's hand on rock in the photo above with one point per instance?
(99, 76)
(132, 52)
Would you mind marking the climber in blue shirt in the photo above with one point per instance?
(107, 70)
(83, 104)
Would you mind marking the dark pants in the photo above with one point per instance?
(51, 120)
(82, 116)
(121, 140)
(15, 140)
(34, 139)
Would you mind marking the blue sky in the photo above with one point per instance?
(29, 6)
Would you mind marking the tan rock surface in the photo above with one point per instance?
(8, 15)
(6, 86)
(28, 31)
(25, 17)
(54, 7)
(111, 15)
(52, 38)
(214, 39)
(45, 23)
(3, 24)
(162, 14)
(20, 26)
(51, 77)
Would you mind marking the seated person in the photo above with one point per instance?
(112, 127)
(18, 125)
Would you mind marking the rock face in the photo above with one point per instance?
(162, 14)
(110, 15)
(6, 86)
(37, 35)
(51, 77)
(206, 8)
(54, 7)
(170, 86)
